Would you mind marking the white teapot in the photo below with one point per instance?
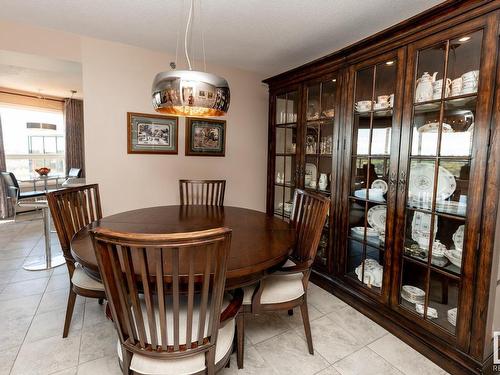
(425, 88)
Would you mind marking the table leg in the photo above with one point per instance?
(49, 260)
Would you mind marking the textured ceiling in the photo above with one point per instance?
(259, 35)
(38, 74)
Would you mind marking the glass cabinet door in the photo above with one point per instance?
(285, 158)
(435, 178)
(369, 159)
(319, 147)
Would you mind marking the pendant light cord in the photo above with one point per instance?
(188, 25)
(203, 40)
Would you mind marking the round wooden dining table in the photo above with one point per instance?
(259, 242)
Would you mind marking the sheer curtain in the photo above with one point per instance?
(6, 208)
(73, 119)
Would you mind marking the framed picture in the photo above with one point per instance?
(205, 137)
(152, 134)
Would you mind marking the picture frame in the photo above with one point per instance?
(205, 137)
(152, 134)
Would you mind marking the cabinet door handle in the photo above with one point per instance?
(402, 181)
(393, 180)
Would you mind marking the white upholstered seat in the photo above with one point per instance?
(277, 288)
(187, 365)
(84, 281)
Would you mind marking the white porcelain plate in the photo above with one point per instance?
(380, 184)
(421, 227)
(458, 238)
(377, 217)
(421, 183)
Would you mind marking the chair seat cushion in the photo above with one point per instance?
(144, 364)
(84, 281)
(277, 288)
(31, 194)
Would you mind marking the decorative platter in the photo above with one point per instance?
(380, 184)
(312, 171)
(377, 217)
(421, 228)
(454, 256)
(433, 127)
(458, 238)
(421, 183)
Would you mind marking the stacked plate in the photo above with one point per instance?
(452, 316)
(431, 312)
(413, 294)
(455, 257)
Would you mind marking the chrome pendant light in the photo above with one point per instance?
(190, 92)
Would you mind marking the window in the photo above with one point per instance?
(31, 147)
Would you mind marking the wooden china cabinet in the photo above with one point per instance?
(400, 131)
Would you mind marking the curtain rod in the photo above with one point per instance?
(31, 96)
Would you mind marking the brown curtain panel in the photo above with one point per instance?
(73, 118)
(6, 207)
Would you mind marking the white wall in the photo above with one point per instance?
(117, 79)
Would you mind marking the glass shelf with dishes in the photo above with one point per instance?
(369, 178)
(439, 165)
(285, 158)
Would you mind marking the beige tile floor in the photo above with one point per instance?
(32, 307)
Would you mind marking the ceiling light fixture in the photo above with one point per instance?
(390, 62)
(190, 92)
(464, 39)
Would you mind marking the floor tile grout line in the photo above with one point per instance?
(29, 326)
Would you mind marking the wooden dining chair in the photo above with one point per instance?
(165, 293)
(286, 287)
(202, 192)
(71, 210)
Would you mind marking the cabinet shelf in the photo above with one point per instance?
(286, 184)
(450, 271)
(367, 243)
(286, 125)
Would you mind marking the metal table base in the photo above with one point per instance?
(49, 260)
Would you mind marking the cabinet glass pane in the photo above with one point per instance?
(463, 64)
(281, 109)
(439, 177)
(425, 130)
(458, 127)
(278, 201)
(413, 285)
(443, 301)
(279, 170)
(381, 135)
(359, 177)
(361, 134)
(311, 172)
(430, 73)
(364, 89)
(456, 172)
(280, 140)
(290, 170)
(286, 108)
(313, 102)
(291, 140)
(328, 93)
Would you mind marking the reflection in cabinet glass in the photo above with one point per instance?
(438, 178)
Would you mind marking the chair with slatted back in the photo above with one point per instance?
(71, 210)
(286, 287)
(166, 294)
(202, 192)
